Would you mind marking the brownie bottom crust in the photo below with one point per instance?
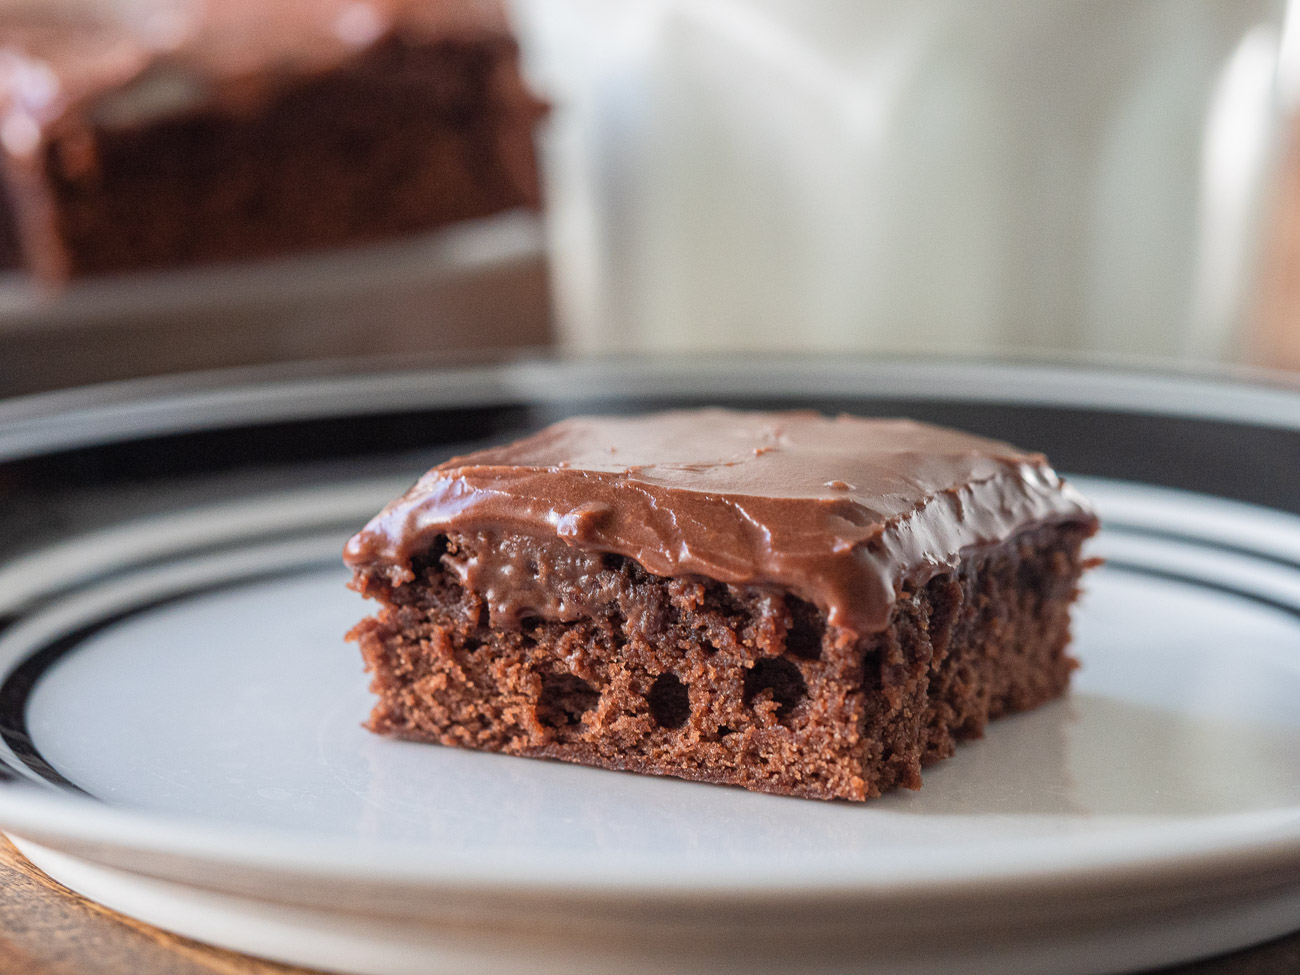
(743, 685)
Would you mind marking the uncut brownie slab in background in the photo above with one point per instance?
(781, 601)
(166, 134)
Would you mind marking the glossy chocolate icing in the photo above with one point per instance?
(845, 513)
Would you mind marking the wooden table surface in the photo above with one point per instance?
(46, 929)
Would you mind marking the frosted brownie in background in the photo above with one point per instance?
(230, 183)
(158, 135)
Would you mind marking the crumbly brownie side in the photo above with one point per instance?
(742, 685)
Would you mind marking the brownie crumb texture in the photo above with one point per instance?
(744, 685)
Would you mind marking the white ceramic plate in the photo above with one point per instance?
(181, 727)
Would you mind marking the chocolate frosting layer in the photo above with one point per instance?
(845, 513)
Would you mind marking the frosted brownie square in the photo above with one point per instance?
(781, 601)
(144, 135)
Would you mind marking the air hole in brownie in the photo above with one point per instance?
(669, 701)
(726, 601)
(532, 567)
(945, 602)
(472, 643)
(429, 562)
(611, 562)
(804, 637)
(781, 677)
(528, 631)
(871, 670)
(616, 622)
(564, 700)
(723, 731)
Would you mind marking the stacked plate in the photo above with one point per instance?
(181, 717)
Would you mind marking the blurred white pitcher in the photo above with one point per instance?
(906, 175)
